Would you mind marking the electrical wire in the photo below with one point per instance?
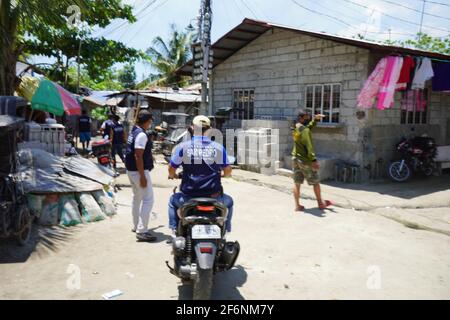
(439, 3)
(359, 20)
(323, 14)
(348, 24)
(416, 10)
(146, 21)
(249, 8)
(126, 22)
(261, 12)
(393, 17)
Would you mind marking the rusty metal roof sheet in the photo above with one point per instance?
(250, 29)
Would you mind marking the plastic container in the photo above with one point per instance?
(32, 131)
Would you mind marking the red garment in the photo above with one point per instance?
(405, 74)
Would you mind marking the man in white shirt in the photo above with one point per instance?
(139, 163)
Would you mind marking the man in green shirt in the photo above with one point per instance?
(304, 161)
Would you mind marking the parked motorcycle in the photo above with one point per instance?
(199, 248)
(416, 156)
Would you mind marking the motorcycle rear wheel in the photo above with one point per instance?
(399, 176)
(203, 285)
(23, 225)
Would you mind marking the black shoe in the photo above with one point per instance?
(146, 237)
(133, 230)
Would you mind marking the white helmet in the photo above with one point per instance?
(201, 121)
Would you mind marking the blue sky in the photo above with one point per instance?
(375, 18)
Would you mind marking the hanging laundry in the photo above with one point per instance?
(389, 83)
(371, 87)
(417, 63)
(407, 102)
(441, 80)
(406, 73)
(424, 72)
(421, 102)
(414, 101)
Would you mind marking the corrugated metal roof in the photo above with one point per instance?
(174, 97)
(164, 94)
(251, 29)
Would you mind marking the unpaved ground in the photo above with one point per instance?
(343, 254)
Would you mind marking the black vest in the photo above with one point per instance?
(130, 159)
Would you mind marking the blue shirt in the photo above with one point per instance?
(202, 161)
(84, 124)
(118, 130)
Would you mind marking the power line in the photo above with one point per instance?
(323, 14)
(345, 23)
(416, 10)
(360, 21)
(249, 8)
(126, 23)
(259, 9)
(439, 3)
(147, 20)
(393, 17)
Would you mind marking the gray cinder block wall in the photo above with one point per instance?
(278, 66)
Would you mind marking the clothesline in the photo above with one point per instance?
(399, 73)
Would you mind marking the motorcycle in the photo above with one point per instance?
(417, 155)
(199, 246)
(102, 150)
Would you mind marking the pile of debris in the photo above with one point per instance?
(66, 191)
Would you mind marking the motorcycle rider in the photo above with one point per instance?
(203, 161)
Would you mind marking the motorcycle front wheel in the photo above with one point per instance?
(399, 173)
(203, 285)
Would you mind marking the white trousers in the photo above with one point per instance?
(143, 200)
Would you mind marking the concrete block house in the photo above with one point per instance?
(265, 72)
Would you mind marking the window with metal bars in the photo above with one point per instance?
(414, 106)
(243, 104)
(324, 99)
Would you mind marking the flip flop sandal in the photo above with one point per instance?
(325, 205)
(145, 237)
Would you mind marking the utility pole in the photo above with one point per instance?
(79, 68)
(421, 20)
(202, 50)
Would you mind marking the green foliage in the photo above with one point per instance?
(41, 27)
(100, 114)
(421, 41)
(166, 58)
(107, 82)
(127, 77)
(428, 43)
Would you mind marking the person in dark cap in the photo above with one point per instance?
(304, 161)
(139, 163)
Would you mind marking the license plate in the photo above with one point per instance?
(206, 232)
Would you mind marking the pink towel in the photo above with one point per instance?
(370, 89)
(389, 83)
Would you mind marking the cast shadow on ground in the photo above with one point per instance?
(416, 187)
(225, 287)
(160, 237)
(318, 212)
(43, 241)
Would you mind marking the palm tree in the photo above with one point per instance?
(166, 58)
